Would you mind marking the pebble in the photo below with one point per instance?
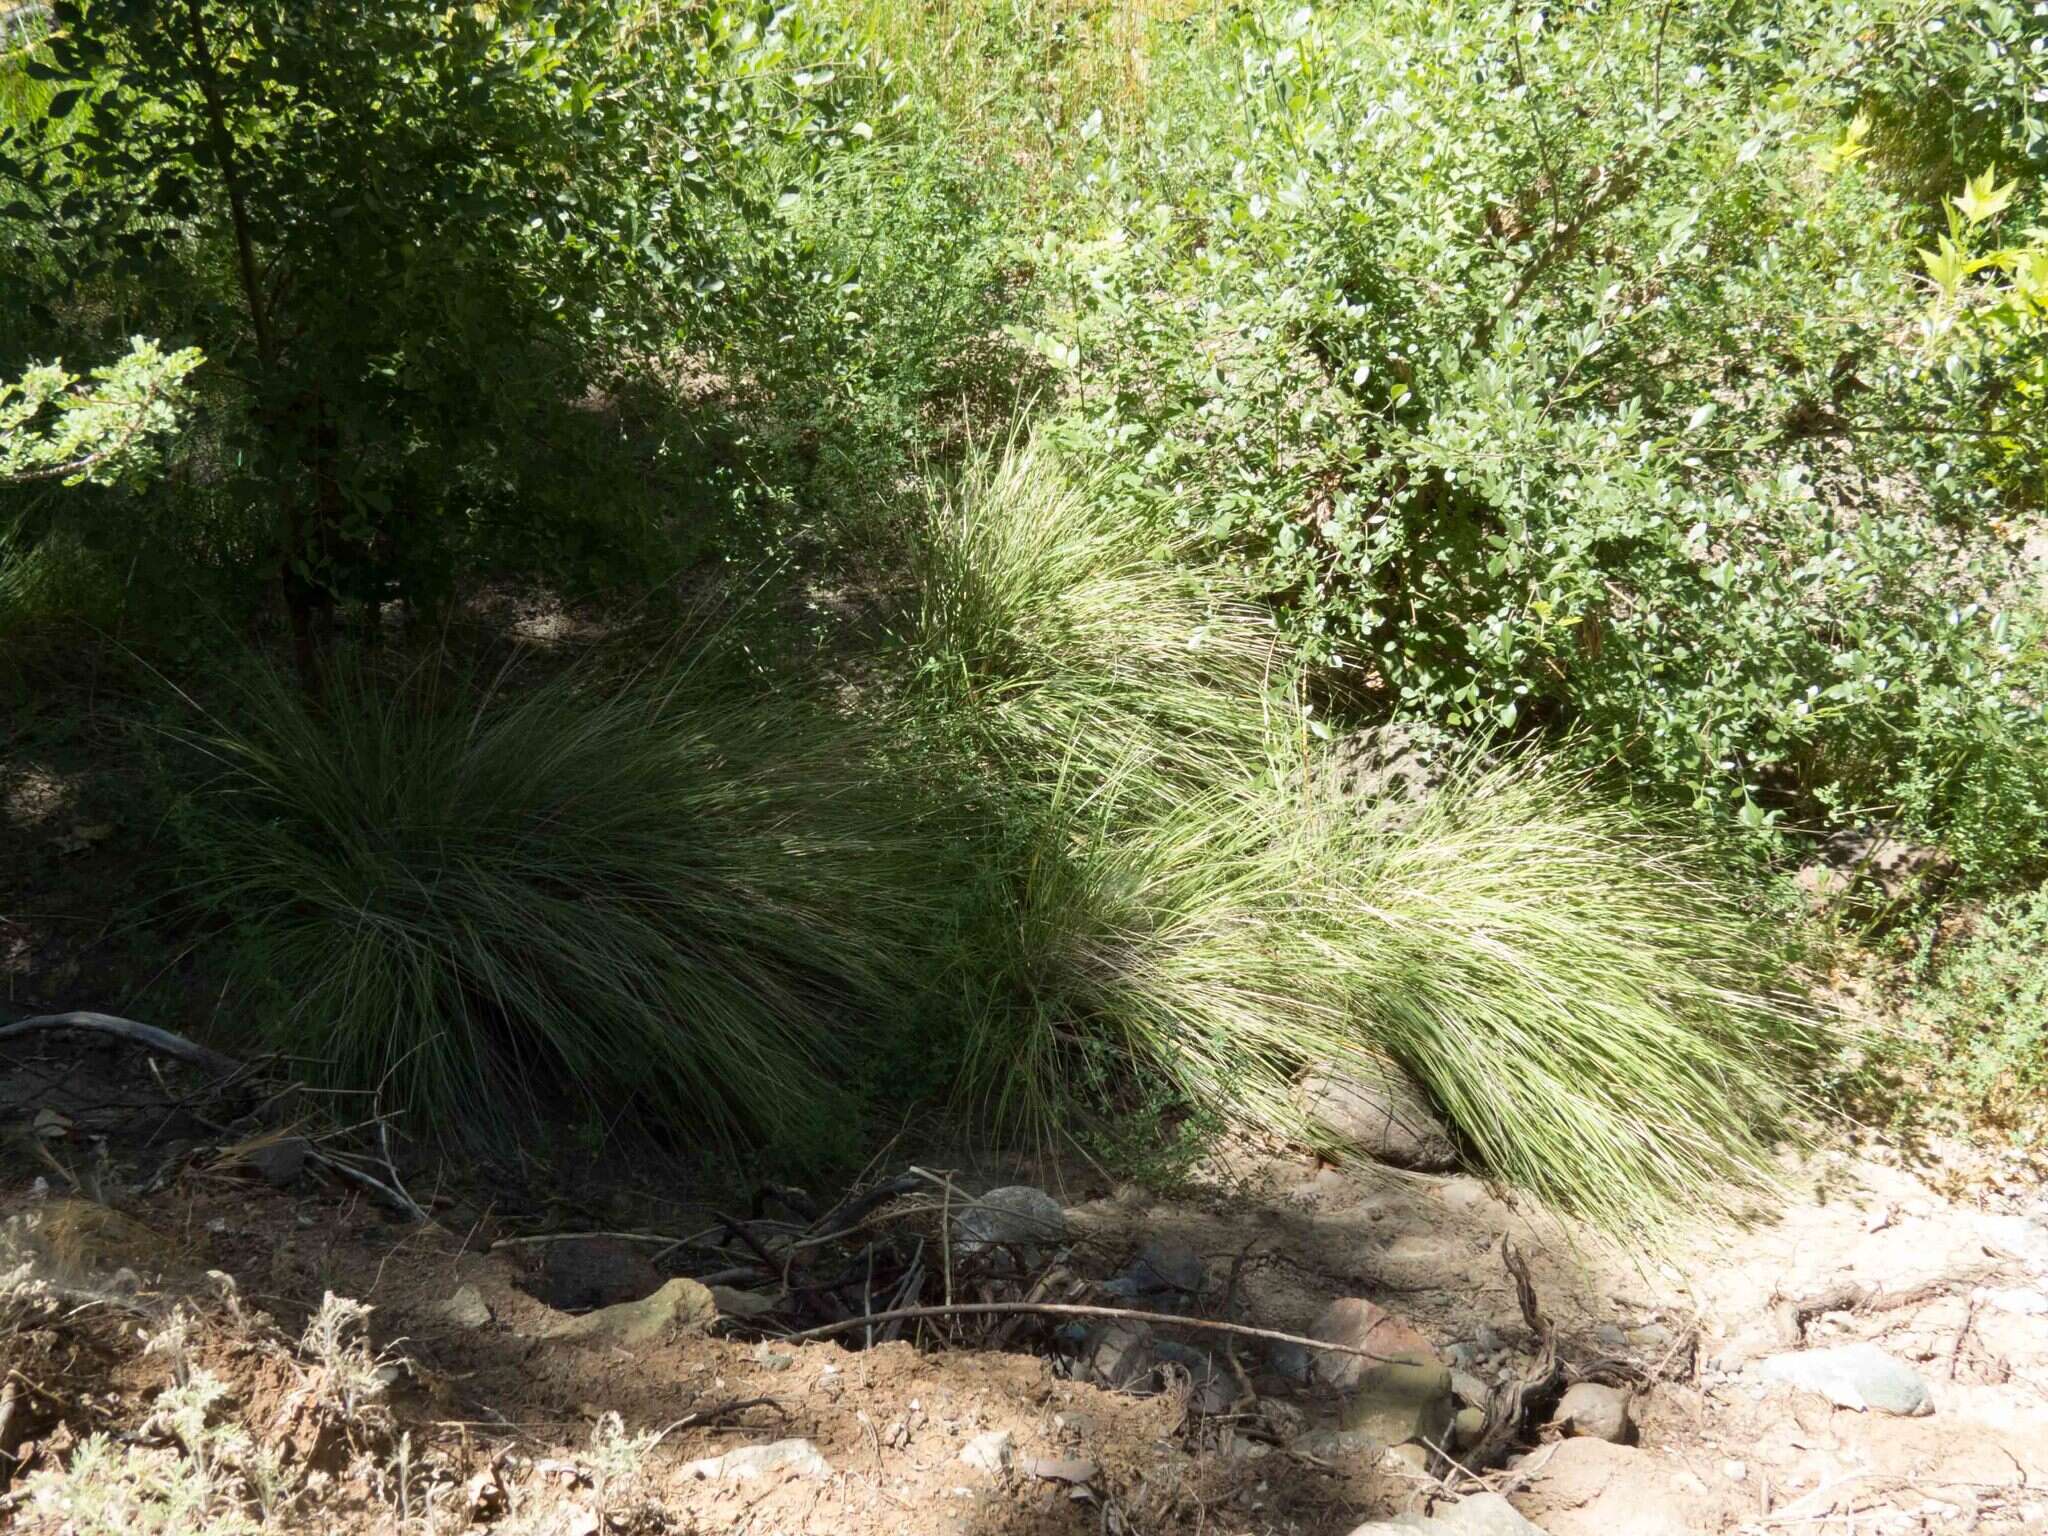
(1600, 1412)
(1387, 1118)
(798, 1458)
(466, 1308)
(1487, 1341)
(1734, 1471)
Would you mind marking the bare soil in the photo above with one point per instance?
(123, 1188)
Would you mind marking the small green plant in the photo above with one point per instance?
(1976, 1032)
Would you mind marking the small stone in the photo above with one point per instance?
(1487, 1340)
(466, 1308)
(1467, 1427)
(682, 1306)
(1600, 1412)
(1461, 1356)
(1610, 1338)
(1017, 1215)
(1734, 1471)
(1402, 1393)
(278, 1162)
(1857, 1376)
(989, 1452)
(1120, 1356)
(1386, 1118)
(790, 1458)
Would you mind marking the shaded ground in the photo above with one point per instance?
(141, 1192)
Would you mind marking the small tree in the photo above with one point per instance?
(369, 211)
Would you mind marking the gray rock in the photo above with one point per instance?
(990, 1452)
(1858, 1376)
(1483, 1514)
(466, 1308)
(1488, 1340)
(1018, 1216)
(1164, 1275)
(1120, 1356)
(279, 1162)
(1386, 1118)
(1610, 1338)
(787, 1458)
(1601, 1412)
(1461, 1356)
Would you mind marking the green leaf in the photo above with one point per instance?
(1983, 198)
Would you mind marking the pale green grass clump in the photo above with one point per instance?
(1170, 907)
(1074, 645)
(1595, 1020)
(669, 898)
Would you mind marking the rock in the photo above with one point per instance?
(1058, 1469)
(1488, 1340)
(1461, 1356)
(989, 1452)
(1589, 1487)
(1290, 1362)
(1858, 1376)
(1403, 1393)
(278, 1162)
(1896, 866)
(1468, 1388)
(1483, 1514)
(1467, 1427)
(1119, 1356)
(1610, 1338)
(1385, 1118)
(788, 1458)
(1599, 1411)
(465, 1309)
(737, 1303)
(679, 1307)
(1017, 1215)
(1164, 1275)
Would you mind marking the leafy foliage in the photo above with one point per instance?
(107, 432)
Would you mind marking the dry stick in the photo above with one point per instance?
(148, 1036)
(1064, 1309)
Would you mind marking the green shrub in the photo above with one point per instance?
(1569, 368)
(676, 899)
(1979, 1031)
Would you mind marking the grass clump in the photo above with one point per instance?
(1589, 1014)
(674, 897)
(1173, 904)
(1072, 645)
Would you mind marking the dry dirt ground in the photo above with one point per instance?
(153, 1261)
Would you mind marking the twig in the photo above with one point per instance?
(1955, 1354)
(398, 1198)
(148, 1036)
(1064, 1309)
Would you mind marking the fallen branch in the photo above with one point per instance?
(1065, 1309)
(148, 1036)
(1855, 1296)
